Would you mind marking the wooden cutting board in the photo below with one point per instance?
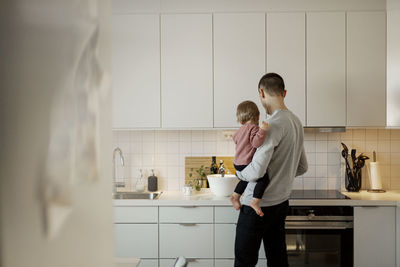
(197, 162)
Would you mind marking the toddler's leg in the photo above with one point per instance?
(235, 197)
(259, 190)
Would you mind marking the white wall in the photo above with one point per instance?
(37, 52)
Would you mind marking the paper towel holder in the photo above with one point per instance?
(376, 190)
(379, 189)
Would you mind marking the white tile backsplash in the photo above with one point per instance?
(309, 183)
(395, 135)
(148, 147)
(165, 151)
(161, 147)
(321, 159)
(311, 158)
(298, 183)
(321, 171)
(321, 146)
(321, 183)
(197, 147)
(395, 146)
(173, 147)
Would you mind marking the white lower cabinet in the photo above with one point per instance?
(226, 215)
(135, 215)
(190, 214)
(136, 240)
(374, 236)
(192, 262)
(212, 244)
(186, 239)
(225, 240)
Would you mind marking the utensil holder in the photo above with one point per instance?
(353, 183)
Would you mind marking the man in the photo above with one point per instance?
(282, 156)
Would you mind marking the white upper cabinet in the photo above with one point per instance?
(286, 55)
(326, 69)
(136, 71)
(239, 63)
(393, 67)
(186, 70)
(366, 69)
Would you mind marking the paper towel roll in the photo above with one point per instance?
(375, 176)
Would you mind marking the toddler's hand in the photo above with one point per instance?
(264, 126)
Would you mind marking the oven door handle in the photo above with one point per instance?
(318, 225)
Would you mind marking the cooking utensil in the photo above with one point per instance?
(353, 156)
(345, 154)
(349, 171)
(345, 148)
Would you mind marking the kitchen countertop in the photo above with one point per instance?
(206, 198)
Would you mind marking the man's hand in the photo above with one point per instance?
(264, 126)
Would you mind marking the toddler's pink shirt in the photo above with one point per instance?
(247, 139)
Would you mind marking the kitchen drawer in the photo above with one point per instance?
(136, 240)
(230, 263)
(226, 215)
(135, 214)
(190, 240)
(225, 241)
(190, 214)
(192, 262)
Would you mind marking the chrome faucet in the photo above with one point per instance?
(119, 184)
(221, 169)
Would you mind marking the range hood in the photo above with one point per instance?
(340, 129)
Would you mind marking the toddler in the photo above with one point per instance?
(247, 139)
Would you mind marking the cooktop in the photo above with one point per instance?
(317, 194)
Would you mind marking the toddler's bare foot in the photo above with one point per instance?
(255, 204)
(235, 199)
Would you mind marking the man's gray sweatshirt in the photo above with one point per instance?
(282, 155)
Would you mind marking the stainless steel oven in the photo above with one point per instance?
(320, 236)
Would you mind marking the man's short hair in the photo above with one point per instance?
(272, 84)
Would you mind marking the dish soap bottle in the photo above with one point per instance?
(139, 183)
(152, 182)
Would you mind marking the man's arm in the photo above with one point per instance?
(262, 157)
(303, 164)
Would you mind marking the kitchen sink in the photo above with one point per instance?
(137, 195)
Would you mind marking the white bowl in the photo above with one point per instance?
(222, 186)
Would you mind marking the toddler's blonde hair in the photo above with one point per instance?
(247, 111)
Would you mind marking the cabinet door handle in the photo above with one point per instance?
(189, 207)
(191, 260)
(187, 224)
